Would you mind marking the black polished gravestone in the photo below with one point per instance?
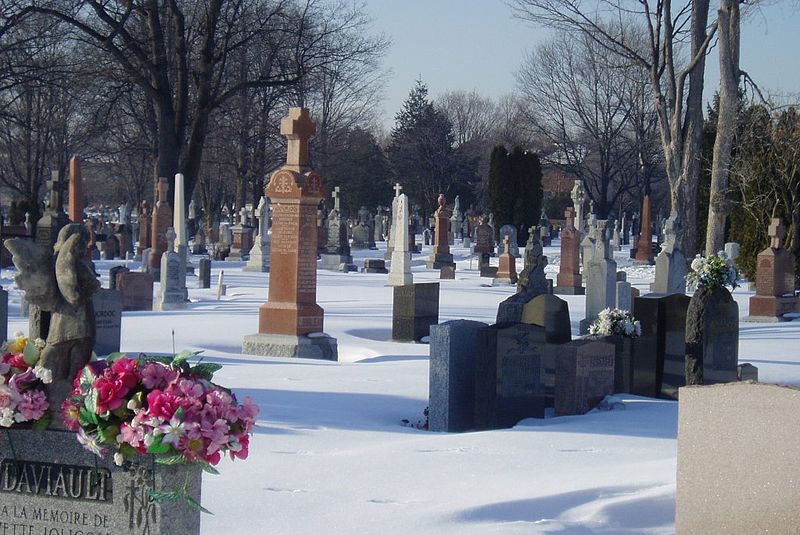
(712, 337)
(550, 312)
(451, 405)
(414, 309)
(659, 364)
(514, 375)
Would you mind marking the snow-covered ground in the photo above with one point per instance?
(331, 455)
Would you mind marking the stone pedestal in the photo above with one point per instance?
(243, 242)
(286, 346)
(291, 310)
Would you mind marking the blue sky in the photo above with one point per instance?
(477, 45)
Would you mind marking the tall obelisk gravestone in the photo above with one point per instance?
(292, 313)
(75, 190)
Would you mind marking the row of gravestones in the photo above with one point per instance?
(484, 377)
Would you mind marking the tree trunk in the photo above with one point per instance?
(728, 24)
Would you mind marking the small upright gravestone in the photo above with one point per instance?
(451, 404)
(108, 321)
(415, 308)
(569, 279)
(507, 271)
(259, 254)
(584, 375)
(170, 295)
(775, 283)
(137, 291)
(113, 273)
(441, 256)
(204, 275)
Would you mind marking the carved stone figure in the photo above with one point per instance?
(60, 282)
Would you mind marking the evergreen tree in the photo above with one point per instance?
(527, 189)
(421, 149)
(501, 190)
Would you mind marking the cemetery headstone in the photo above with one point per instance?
(360, 237)
(507, 271)
(108, 321)
(374, 265)
(584, 375)
(514, 375)
(259, 254)
(732, 251)
(532, 277)
(400, 273)
(170, 295)
(569, 279)
(291, 312)
(204, 273)
(671, 265)
(578, 195)
(453, 353)
(75, 212)
(775, 285)
(222, 288)
(54, 218)
(415, 307)
(712, 336)
(601, 277)
(136, 290)
(644, 245)
(337, 251)
(145, 230)
(440, 256)
(511, 232)
(623, 296)
(160, 222)
(113, 274)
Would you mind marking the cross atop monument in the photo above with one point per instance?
(298, 129)
(163, 191)
(507, 244)
(777, 232)
(397, 189)
(56, 187)
(569, 215)
(335, 196)
(170, 239)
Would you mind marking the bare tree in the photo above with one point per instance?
(676, 81)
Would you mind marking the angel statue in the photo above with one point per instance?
(60, 282)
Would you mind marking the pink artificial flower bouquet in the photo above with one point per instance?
(22, 397)
(161, 406)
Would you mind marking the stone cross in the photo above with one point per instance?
(578, 195)
(671, 228)
(335, 196)
(397, 189)
(569, 215)
(298, 129)
(243, 216)
(507, 244)
(777, 232)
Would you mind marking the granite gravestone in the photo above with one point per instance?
(54, 218)
(712, 337)
(578, 195)
(75, 211)
(440, 255)
(400, 274)
(659, 363)
(51, 485)
(451, 404)
(137, 291)
(775, 281)
(108, 321)
(601, 277)
(374, 265)
(550, 312)
(259, 254)
(644, 245)
(170, 295)
(337, 250)
(113, 274)
(584, 375)
(484, 239)
(569, 279)
(514, 375)
(671, 265)
(160, 222)
(509, 231)
(204, 275)
(291, 313)
(360, 237)
(415, 307)
(507, 271)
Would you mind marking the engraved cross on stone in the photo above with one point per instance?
(335, 196)
(170, 239)
(397, 189)
(298, 129)
(777, 232)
